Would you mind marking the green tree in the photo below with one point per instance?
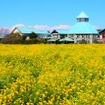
(33, 35)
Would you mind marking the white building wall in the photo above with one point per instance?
(58, 36)
(75, 38)
(16, 31)
(100, 36)
(87, 38)
(91, 38)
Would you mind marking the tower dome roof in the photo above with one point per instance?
(82, 15)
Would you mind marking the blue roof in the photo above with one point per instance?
(83, 28)
(30, 30)
(82, 15)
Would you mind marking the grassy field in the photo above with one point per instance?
(52, 74)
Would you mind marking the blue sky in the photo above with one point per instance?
(50, 13)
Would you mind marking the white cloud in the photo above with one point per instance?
(61, 27)
(96, 27)
(18, 25)
(42, 27)
(46, 27)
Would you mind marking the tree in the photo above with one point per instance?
(33, 35)
(11, 38)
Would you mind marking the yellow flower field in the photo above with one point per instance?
(52, 74)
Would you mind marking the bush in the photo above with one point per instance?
(19, 39)
(32, 41)
(11, 38)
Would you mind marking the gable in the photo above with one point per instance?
(102, 32)
(16, 31)
(54, 31)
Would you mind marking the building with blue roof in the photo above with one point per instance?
(60, 33)
(83, 31)
(26, 31)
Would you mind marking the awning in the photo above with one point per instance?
(66, 39)
(53, 40)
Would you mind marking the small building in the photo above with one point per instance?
(26, 31)
(57, 35)
(102, 36)
(60, 33)
(83, 31)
